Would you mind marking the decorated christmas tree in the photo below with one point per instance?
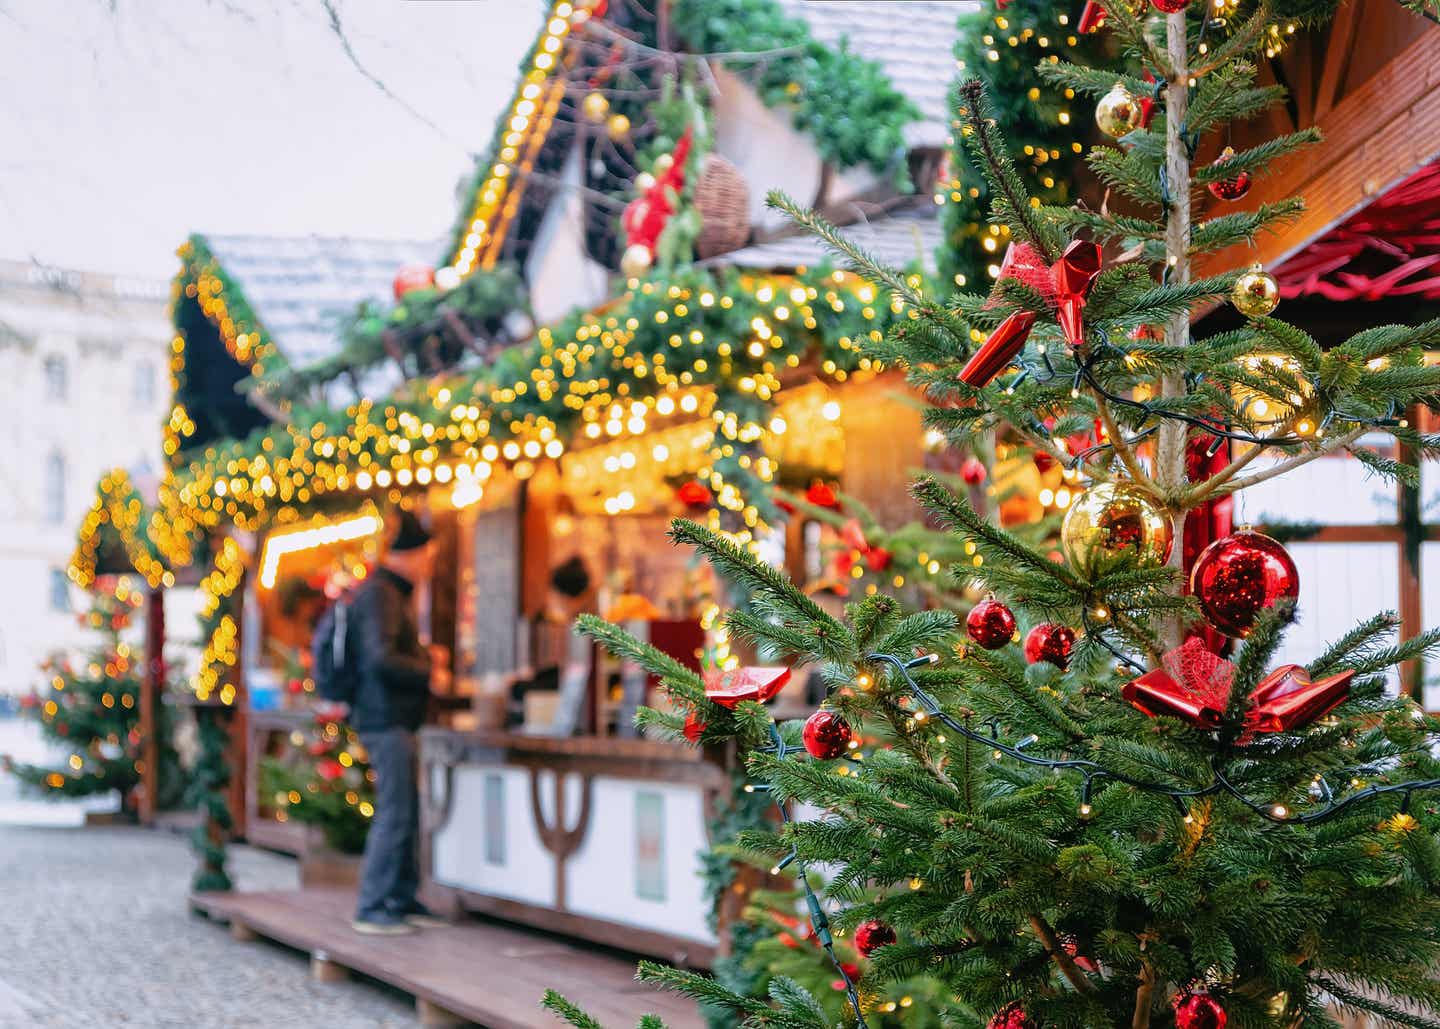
(90, 706)
(1137, 816)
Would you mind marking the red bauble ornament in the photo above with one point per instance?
(973, 471)
(877, 559)
(1050, 642)
(412, 277)
(1239, 575)
(871, 935)
(826, 735)
(1234, 187)
(1171, 6)
(821, 495)
(990, 624)
(1199, 1011)
(1012, 1016)
(694, 494)
(693, 727)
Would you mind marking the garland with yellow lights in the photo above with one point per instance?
(118, 516)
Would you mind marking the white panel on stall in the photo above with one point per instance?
(1341, 585)
(463, 852)
(1330, 491)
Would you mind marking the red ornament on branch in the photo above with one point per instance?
(1012, 1016)
(973, 471)
(1192, 685)
(1171, 6)
(1238, 576)
(412, 277)
(693, 727)
(694, 494)
(998, 350)
(1288, 699)
(1050, 642)
(871, 935)
(990, 624)
(728, 688)
(826, 735)
(1234, 187)
(821, 495)
(1199, 1010)
(878, 559)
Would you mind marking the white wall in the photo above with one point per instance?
(562, 277)
(105, 330)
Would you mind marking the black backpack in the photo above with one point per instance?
(336, 665)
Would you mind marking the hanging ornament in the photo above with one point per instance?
(1092, 18)
(821, 495)
(1118, 113)
(595, 106)
(1238, 576)
(1073, 276)
(1256, 293)
(878, 559)
(871, 935)
(1050, 642)
(1234, 187)
(1147, 103)
(693, 727)
(618, 127)
(636, 260)
(990, 624)
(973, 471)
(1170, 6)
(826, 734)
(998, 350)
(1012, 1016)
(732, 685)
(1113, 524)
(1288, 699)
(413, 277)
(694, 494)
(1199, 1010)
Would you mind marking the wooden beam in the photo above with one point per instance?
(1376, 137)
(150, 688)
(1338, 48)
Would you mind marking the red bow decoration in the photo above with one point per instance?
(729, 688)
(1194, 686)
(1288, 699)
(1091, 18)
(1065, 284)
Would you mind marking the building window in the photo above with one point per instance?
(59, 590)
(142, 390)
(55, 488)
(57, 378)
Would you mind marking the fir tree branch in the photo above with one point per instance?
(1068, 968)
(623, 645)
(568, 1011)
(1288, 465)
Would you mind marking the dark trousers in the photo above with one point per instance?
(390, 873)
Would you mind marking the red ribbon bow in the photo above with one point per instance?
(1288, 699)
(1065, 284)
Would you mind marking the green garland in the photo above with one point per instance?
(208, 793)
(844, 102)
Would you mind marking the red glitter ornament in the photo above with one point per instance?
(973, 471)
(1239, 575)
(871, 935)
(826, 735)
(990, 624)
(1171, 6)
(1199, 1011)
(1050, 642)
(1012, 1016)
(1233, 188)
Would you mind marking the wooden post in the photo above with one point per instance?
(151, 688)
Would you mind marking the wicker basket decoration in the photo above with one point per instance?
(723, 199)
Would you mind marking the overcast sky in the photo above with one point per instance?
(127, 124)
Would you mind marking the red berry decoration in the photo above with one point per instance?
(1199, 1011)
(826, 735)
(990, 624)
(1012, 1016)
(1234, 187)
(1238, 576)
(1050, 642)
(871, 935)
(973, 471)
(1171, 6)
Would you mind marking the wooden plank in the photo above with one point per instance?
(479, 971)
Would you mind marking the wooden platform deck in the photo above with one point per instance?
(479, 972)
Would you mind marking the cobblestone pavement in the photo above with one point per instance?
(94, 933)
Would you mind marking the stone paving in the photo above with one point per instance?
(94, 932)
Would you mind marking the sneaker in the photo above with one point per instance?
(421, 917)
(383, 924)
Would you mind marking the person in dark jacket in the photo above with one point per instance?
(390, 689)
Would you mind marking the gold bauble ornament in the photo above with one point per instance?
(1113, 525)
(636, 260)
(595, 107)
(1256, 293)
(618, 126)
(1267, 409)
(1118, 113)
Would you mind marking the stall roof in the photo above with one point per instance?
(913, 40)
(899, 240)
(301, 288)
